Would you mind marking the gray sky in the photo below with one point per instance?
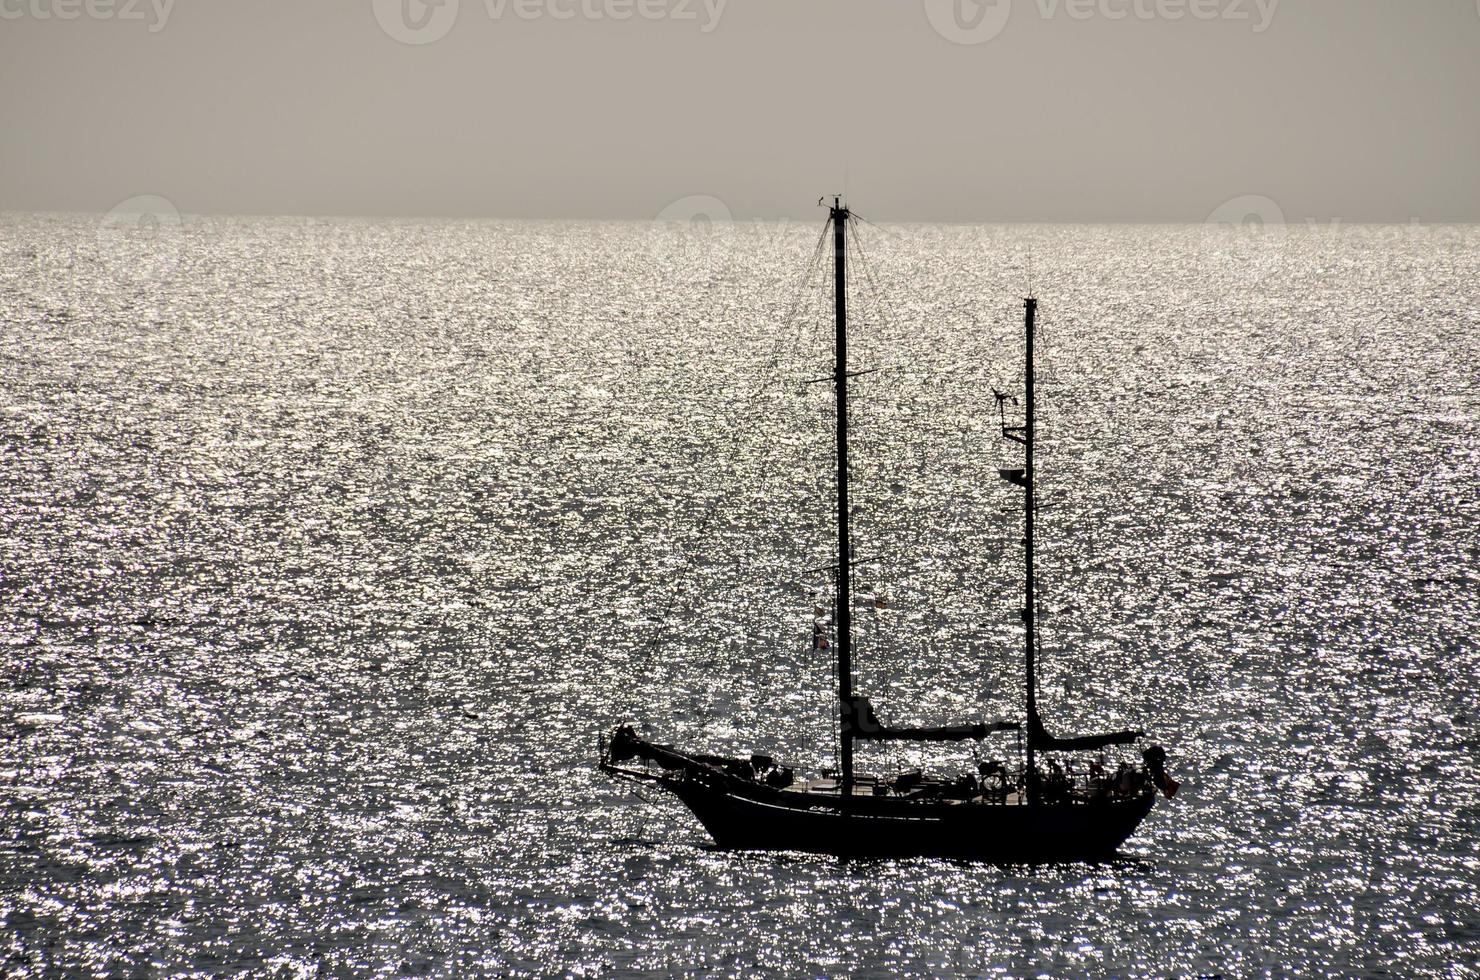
(1080, 110)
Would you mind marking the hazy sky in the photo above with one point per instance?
(928, 109)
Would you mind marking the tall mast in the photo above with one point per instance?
(1030, 305)
(840, 384)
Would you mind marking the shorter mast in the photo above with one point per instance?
(1038, 736)
(1030, 306)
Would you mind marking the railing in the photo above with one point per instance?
(996, 784)
(993, 783)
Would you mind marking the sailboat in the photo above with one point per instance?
(1038, 811)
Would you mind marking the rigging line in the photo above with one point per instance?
(867, 265)
(807, 275)
(882, 312)
(873, 312)
(877, 311)
(780, 345)
(882, 230)
(741, 409)
(681, 552)
(886, 313)
(869, 282)
(682, 555)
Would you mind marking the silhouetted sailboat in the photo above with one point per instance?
(1024, 815)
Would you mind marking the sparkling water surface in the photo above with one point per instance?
(328, 548)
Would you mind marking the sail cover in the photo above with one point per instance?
(867, 726)
(1039, 738)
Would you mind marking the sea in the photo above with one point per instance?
(330, 548)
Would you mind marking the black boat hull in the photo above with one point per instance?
(1004, 833)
